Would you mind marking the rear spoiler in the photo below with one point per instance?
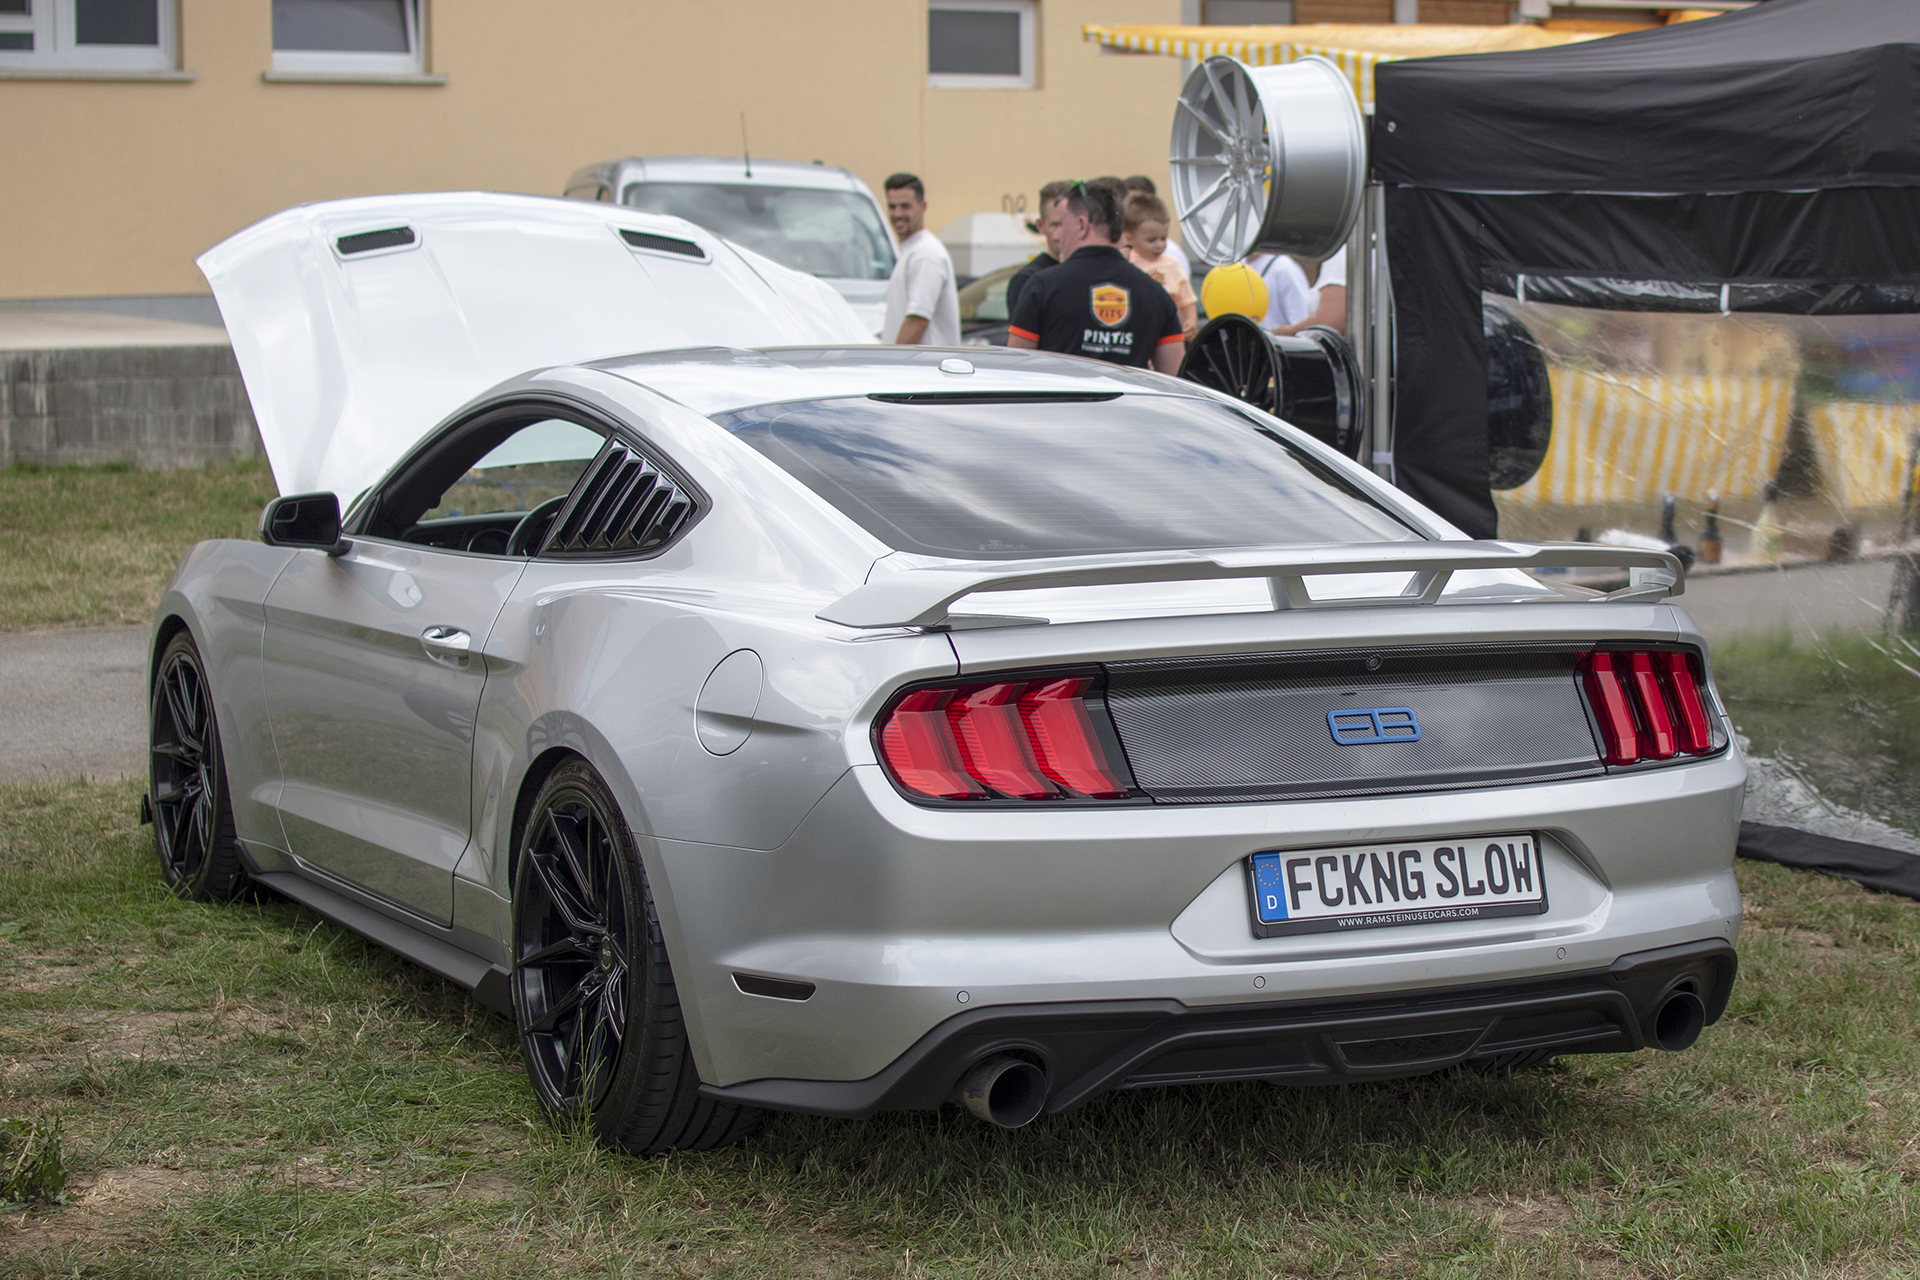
(921, 597)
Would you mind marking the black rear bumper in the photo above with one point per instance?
(1088, 1048)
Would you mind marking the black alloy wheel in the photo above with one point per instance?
(593, 992)
(187, 780)
(1234, 354)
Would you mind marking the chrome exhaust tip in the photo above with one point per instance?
(1003, 1090)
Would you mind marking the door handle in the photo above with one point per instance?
(440, 642)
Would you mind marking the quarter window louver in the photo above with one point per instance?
(624, 504)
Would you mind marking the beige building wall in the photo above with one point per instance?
(113, 186)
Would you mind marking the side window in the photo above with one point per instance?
(539, 462)
(490, 486)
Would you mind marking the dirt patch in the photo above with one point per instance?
(102, 1208)
(1522, 1218)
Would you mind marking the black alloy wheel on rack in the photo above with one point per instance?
(1233, 354)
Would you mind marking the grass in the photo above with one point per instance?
(1845, 712)
(94, 546)
(249, 1091)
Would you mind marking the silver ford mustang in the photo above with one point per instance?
(838, 728)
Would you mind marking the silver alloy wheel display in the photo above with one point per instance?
(1266, 159)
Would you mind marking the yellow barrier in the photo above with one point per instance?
(1633, 438)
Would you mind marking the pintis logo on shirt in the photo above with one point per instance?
(1110, 304)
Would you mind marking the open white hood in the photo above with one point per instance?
(360, 324)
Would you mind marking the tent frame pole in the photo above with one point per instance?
(1370, 318)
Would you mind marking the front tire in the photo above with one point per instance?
(593, 991)
(187, 781)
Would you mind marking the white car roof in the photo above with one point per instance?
(721, 381)
(359, 325)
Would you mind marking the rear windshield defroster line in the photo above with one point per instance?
(1008, 479)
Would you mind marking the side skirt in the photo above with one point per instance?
(487, 981)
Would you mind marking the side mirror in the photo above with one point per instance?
(310, 520)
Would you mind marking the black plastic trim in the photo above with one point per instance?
(1092, 1047)
(368, 241)
(753, 984)
(662, 244)
(994, 397)
(487, 981)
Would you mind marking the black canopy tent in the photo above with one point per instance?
(1764, 160)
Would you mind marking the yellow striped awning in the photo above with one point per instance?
(1632, 438)
(1355, 49)
(1865, 450)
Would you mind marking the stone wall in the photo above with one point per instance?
(152, 406)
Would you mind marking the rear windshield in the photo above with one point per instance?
(836, 234)
(984, 480)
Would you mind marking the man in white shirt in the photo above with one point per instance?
(1295, 301)
(923, 305)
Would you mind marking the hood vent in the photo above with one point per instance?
(624, 505)
(662, 244)
(368, 241)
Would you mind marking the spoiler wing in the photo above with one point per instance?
(922, 597)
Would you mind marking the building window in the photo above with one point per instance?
(1247, 13)
(347, 37)
(86, 35)
(980, 44)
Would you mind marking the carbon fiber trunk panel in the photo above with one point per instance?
(1257, 726)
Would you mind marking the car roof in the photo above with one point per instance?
(734, 171)
(718, 380)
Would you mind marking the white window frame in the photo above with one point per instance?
(306, 62)
(1026, 9)
(55, 47)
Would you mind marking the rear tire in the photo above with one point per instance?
(593, 993)
(187, 781)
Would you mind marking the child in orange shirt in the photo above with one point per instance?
(1145, 223)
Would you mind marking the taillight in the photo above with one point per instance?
(1648, 704)
(1011, 739)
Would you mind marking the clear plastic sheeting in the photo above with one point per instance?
(1777, 455)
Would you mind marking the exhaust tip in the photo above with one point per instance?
(1678, 1022)
(1003, 1090)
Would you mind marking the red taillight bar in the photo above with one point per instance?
(1011, 739)
(1648, 704)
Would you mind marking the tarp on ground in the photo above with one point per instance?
(1765, 160)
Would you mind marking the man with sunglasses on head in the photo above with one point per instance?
(1096, 303)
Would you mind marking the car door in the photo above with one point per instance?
(374, 658)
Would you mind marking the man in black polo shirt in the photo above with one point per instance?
(1096, 303)
(1047, 258)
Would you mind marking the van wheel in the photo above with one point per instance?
(593, 991)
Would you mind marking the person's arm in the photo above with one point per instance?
(1023, 327)
(1331, 313)
(1168, 355)
(912, 329)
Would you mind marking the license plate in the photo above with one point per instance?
(1371, 886)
